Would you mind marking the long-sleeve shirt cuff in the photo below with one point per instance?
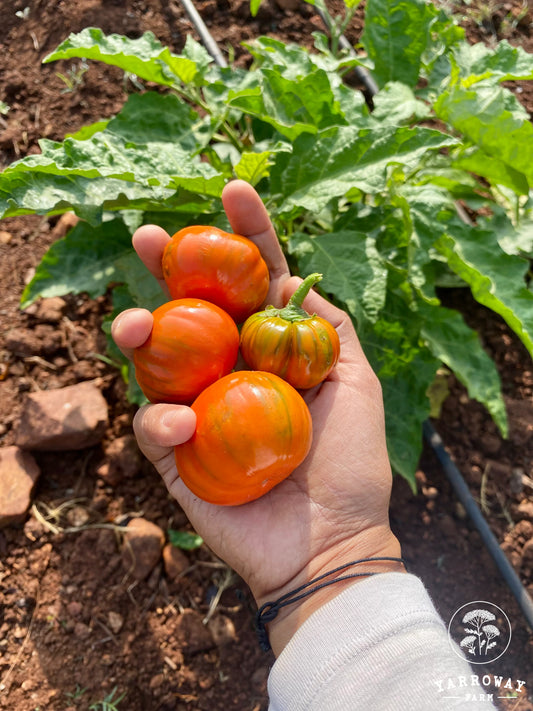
(379, 645)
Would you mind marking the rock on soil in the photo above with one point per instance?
(49, 310)
(175, 562)
(123, 460)
(43, 340)
(74, 417)
(191, 633)
(18, 474)
(222, 630)
(143, 543)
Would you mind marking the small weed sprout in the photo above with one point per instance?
(109, 703)
(74, 77)
(76, 694)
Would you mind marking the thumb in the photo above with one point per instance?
(159, 428)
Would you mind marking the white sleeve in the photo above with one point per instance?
(379, 645)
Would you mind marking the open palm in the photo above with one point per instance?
(334, 507)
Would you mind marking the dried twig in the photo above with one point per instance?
(35, 41)
(68, 325)
(483, 491)
(26, 639)
(110, 636)
(225, 582)
(40, 361)
(53, 514)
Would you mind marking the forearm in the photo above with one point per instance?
(378, 645)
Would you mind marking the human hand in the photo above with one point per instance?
(331, 509)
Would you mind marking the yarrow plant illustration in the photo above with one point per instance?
(480, 632)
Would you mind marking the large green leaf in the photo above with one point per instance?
(478, 62)
(223, 81)
(427, 210)
(296, 64)
(160, 118)
(144, 56)
(143, 287)
(292, 60)
(406, 370)
(288, 59)
(495, 170)
(110, 170)
(395, 37)
(107, 155)
(253, 167)
(407, 406)
(122, 300)
(43, 193)
(69, 267)
(497, 279)
(353, 270)
(397, 105)
(513, 238)
(448, 337)
(328, 165)
(484, 118)
(151, 140)
(291, 106)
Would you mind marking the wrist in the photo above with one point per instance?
(333, 570)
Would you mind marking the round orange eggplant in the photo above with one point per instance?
(253, 429)
(221, 267)
(192, 344)
(301, 348)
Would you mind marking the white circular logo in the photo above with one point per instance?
(481, 630)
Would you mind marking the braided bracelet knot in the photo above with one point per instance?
(269, 610)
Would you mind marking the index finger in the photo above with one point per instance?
(249, 217)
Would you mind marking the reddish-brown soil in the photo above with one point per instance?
(57, 650)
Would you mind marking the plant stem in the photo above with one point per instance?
(233, 137)
(296, 300)
(294, 311)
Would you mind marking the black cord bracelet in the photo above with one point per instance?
(267, 612)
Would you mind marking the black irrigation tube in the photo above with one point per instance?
(453, 474)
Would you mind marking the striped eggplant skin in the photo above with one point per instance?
(302, 352)
(192, 344)
(221, 267)
(252, 430)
